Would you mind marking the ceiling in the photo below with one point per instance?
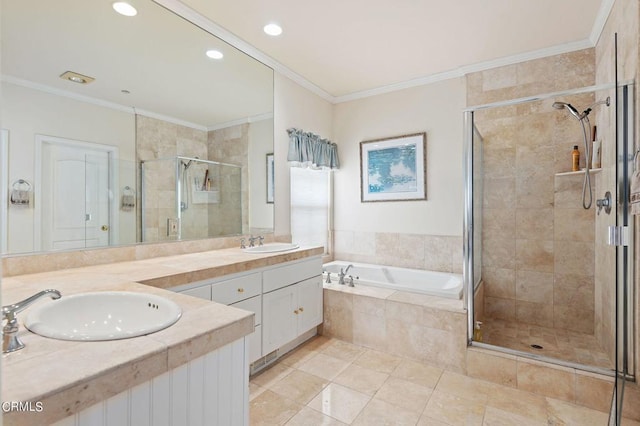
(347, 49)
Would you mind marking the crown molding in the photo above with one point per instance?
(65, 93)
(251, 119)
(601, 20)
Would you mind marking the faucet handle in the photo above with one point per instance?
(242, 243)
(260, 240)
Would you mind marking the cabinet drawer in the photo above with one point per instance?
(236, 289)
(290, 274)
(202, 292)
(252, 305)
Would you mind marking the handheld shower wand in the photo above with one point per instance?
(586, 129)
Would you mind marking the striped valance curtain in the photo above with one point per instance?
(309, 150)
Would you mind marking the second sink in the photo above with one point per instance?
(106, 315)
(271, 248)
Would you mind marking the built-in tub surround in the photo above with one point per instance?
(70, 376)
(416, 326)
(429, 252)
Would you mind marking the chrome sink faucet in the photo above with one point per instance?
(10, 340)
(252, 240)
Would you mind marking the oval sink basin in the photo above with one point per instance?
(271, 248)
(105, 315)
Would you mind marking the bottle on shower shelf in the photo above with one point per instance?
(575, 155)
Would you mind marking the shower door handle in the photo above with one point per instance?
(618, 236)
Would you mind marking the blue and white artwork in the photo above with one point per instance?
(393, 169)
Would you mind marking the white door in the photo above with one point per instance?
(75, 196)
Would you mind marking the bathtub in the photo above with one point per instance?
(440, 284)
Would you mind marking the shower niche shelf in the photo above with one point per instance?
(211, 196)
(579, 172)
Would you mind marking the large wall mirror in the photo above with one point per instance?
(126, 129)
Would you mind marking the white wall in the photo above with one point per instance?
(27, 112)
(294, 106)
(435, 109)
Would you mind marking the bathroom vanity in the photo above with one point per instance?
(247, 306)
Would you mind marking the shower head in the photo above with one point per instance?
(188, 164)
(585, 113)
(569, 107)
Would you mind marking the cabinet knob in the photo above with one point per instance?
(295, 312)
(241, 290)
(301, 310)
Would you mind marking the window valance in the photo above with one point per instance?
(309, 150)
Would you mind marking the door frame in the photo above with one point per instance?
(112, 152)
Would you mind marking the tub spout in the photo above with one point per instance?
(343, 273)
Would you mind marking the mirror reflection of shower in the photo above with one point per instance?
(583, 118)
(184, 204)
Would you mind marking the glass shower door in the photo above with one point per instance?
(621, 236)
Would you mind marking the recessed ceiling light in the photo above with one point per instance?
(273, 29)
(76, 78)
(215, 54)
(124, 8)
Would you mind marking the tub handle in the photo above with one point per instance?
(301, 309)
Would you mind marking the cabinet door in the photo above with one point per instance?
(309, 304)
(279, 322)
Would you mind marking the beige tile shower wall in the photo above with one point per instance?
(160, 139)
(230, 145)
(537, 239)
(430, 252)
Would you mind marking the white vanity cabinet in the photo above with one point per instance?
(286, 300)
(292, 302)
(290, 312)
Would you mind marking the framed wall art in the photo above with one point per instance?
(394, 169)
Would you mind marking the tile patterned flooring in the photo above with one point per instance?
(566, 345)
(330, 382)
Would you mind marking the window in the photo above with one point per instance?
(310, 195)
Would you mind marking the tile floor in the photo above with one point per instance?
(566, 345)
(330, 382)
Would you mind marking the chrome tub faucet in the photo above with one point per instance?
(10, 340)
(343, 273)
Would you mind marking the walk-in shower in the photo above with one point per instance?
(186, 198)
(540, 272)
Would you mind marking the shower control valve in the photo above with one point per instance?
(604, 203)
